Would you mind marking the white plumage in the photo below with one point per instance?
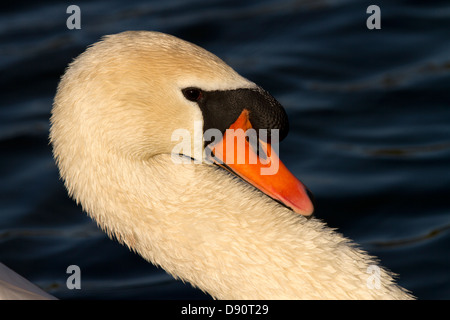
(15, 287)
(115, 110)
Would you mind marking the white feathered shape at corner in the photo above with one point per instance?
(15, 287)
(113, 116)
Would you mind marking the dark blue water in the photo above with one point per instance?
(369, 112)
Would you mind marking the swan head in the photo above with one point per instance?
(139, 94)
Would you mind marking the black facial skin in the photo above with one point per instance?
(221, 108)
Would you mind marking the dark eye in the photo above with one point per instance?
(192, 94)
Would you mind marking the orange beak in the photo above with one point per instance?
(262, 168)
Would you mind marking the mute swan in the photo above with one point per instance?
(114, 115)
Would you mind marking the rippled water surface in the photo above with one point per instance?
(370, 129)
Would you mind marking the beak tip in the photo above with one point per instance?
(311, 197)
(306, 205)
(308, 212)
(313, 203)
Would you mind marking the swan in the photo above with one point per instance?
(14, 287)
(224, 228)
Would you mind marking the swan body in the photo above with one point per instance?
(113, 115)
(14, 287)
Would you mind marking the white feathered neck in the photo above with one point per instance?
(194, 220)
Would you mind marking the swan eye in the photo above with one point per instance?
(192, 94)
